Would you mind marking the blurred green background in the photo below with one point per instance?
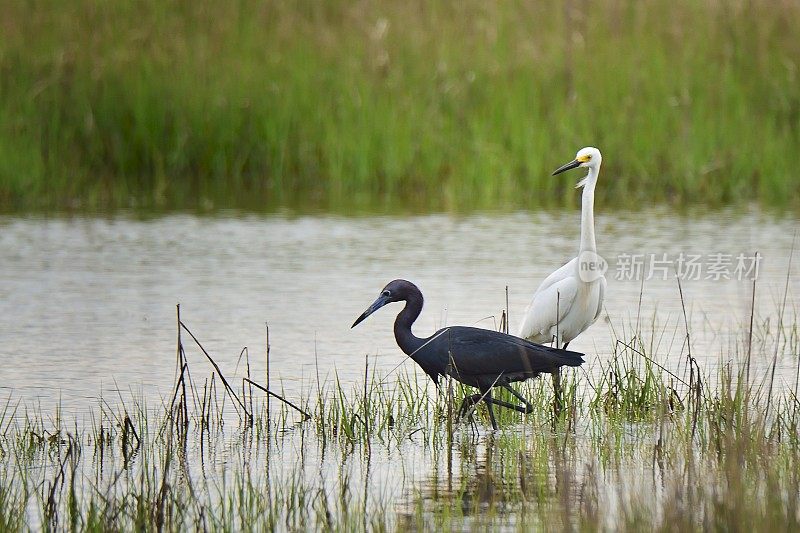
(450, 105)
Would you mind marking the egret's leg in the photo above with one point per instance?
(557, 401)
(489, 401)
(558, 404)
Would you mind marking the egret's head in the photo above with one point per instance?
(586, 157)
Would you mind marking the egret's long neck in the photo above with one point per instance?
(587, 212)
(406, 340)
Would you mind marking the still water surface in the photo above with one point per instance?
(87, 305)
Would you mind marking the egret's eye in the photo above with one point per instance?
(387, 293)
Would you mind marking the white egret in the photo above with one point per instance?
(570, 299)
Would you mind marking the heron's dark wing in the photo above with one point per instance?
(476, 351)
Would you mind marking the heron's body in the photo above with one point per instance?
(483, 358)
(477, 357)
(570, 299)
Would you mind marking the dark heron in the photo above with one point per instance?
(477, 357)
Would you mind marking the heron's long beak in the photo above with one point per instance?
(377, 304)
(572, 164)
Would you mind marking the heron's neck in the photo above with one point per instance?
(587, 212)
(406, 340)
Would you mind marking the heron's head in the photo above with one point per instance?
(586, 157)
(395, 291)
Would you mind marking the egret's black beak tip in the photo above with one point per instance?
(572, 164)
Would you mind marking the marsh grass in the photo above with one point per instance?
(451, 105)
(640, 444)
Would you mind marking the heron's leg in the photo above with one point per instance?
(466, 403)
(508, 405)
(489, 401)
(528, 407)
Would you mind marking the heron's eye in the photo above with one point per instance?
(387, 293)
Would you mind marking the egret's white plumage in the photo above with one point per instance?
(570, 299)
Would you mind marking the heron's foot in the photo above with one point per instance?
(467, 404)
(526, 407)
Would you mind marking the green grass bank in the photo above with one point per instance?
(443, 105)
